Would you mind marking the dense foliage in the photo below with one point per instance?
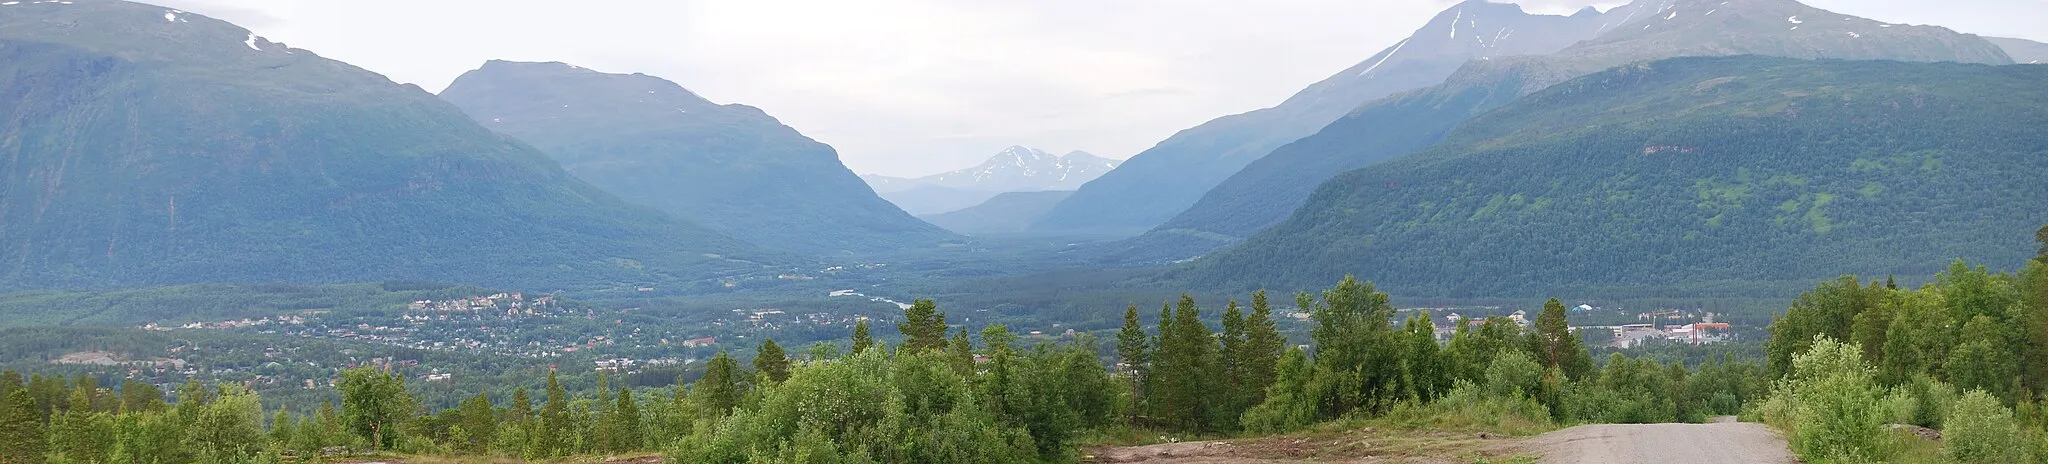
(1738, 176)
(1852, 357)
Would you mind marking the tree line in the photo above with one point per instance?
(943, 394)
(1966, 354)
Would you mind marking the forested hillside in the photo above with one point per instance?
(1162, 181)
(1719, 175)
(145, 146)
(1266, 191)
(732, 168)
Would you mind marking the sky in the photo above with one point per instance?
(916, 87)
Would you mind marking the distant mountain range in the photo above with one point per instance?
(1697, 176)
(1015, 169)
(730, 167)
(1164, 180)
(142, 145)
(1267, 190)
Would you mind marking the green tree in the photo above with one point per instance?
(138, 396)
(1263, 346)
(21, 427)
(923, 327)
(550, 429)
(1828, 310)
(478, 421)
(81, 435)
(1982, 430)
(1135, 360)
(1232, 363)
(1187, 365)
(719, 390)
(1554, 344)
(374, 405)
(626, 428)
(771, 362)
(961, 355)
(1290, 403)
(229, 428)
(1356, 360)
(861, 340)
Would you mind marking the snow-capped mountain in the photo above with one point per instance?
(1172, 175)
(1015, 169)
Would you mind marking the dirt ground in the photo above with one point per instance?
(1361, 446)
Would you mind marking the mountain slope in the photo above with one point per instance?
(1006, 213)
(1264, 192)
(1164, 180)
(651, 142)
(2021, 50)
(1692, 175)
(144, 146)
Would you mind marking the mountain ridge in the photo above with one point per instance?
(1729, 175)
(1171, 176)
(263, 163)
(1265, 191)
(653, 142)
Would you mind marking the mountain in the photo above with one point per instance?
(1694, 176)
(1006, 213)
(141, 145)
(1164, 180)
(652, 142)
(1015, 169)
(1264, 192)
(1025, 169)
(2021, 50)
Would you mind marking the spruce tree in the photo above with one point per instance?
(476, 418)
(771, 362)
(861, 340)
(961, 355)
(550, 430)
(1263, 347)
(718, 391)
(1186, 367)
(626, 429)
(1131, 351)
(923, 327)
(1232, 363)
(21, 428)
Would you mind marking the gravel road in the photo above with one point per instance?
(1717, 443)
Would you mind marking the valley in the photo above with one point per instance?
(1669, 230)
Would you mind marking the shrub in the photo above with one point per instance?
(1980, 430)
(1832, 406)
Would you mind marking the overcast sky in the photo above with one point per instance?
(914, 87)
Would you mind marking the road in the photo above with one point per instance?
(1721, 442)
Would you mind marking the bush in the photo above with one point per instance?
(1831, 406)
(1469, 407)
(1981, 430)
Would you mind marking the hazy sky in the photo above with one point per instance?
(913, 87)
